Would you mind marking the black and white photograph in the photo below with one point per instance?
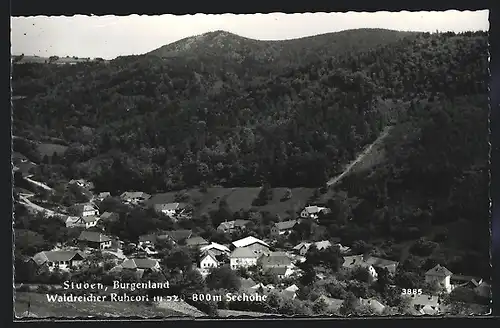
(251, 165)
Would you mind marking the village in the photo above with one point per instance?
(270, 265)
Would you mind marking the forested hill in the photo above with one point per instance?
(178, 125)
(280, 54)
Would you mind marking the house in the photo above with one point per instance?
(332, 304)
(170, 209)
(82, 184)
(196, 242)
(232, 226)
(303, 247)
(84, 209)
(243, 258)
(176, 236)
(312, 212)
(109, 216)
(252, 243)
(262, 289)
(208, 260)
(370, 261)
(342, 249)
(275, 259)
(94, 239)
(282, 228)
(425, 304)
(372, 304)
(483, 290)
(356, 261)
(215, 248)
(141, 263)
(247, 283)
(138, 265)
(147, 240)
(60, 259)
(440, 276)
(280, 271)
(134, 197)
(103, 195)
(82, 222)
(290, 291)
(74, 222)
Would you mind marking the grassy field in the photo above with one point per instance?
(50, 148)
(41, 308)
(241, 199)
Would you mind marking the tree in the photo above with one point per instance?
(223, 278)
(178, 259)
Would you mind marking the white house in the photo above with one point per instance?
(215, 246)
(243, 258)
(83, 222)
(170, 209)
(256, 245)
(85, 209)
(62, 260)
(439, 276)
(208, 261)
(354, 261)
(373, 304)
(312, 212)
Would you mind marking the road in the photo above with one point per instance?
(359, 158)
(26, 202)
(39, 184)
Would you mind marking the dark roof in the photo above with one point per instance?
(93, 236)
(286, 225)
(247, 282)
(163, 198)
(243, 253)
(439, 270)
(139, 263)
(195, 241)
(108, 215)
(281, 270)
(57, 256)
(178, 235)
(276, 259)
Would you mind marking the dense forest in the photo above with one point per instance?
(290, 114)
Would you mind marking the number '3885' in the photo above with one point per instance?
(410, 291)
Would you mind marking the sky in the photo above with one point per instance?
(111, 36)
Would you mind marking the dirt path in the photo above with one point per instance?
(39, 184)
(359, 158)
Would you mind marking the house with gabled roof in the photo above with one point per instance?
(94, 239)
(82, 222)
(243, 258)
(439, 276)
(176, 236)
(312, 212)
(332, 304)
(134, 197)
(60, 259)
(103, 195)
(139, 266)
(252, 243)
(232, 226)
(82, 183)
(196, 242)
(208, 260)
(217, 249)
(170, 209)
(109, 216)
(372, 304)
(275, 259)
(85, 209)
(280, 271)
(425, 304)
(283, 228)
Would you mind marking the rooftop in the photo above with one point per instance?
(247, 241)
